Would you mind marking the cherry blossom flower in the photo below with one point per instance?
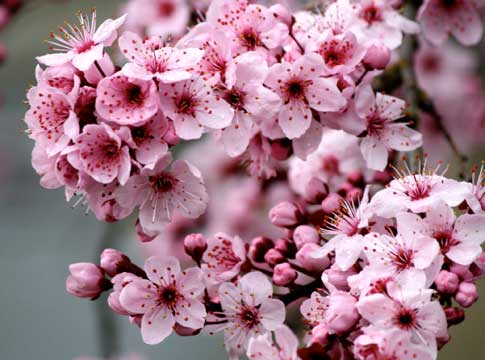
(51, 119)
(249, 310)
(224, 257)
(284, 347)
(340, 53)
(148, 139)
(418, 192)
(378, 114)
(126, 101)
(250, 100)
(302, 89)
(392, 344)
(379, 21)
(345, 227)
(408, 308)
(159, 192)
(169, 296)
(406, 252)
(102, 154)
(191, 105)
(217, 63)
(84, 44)
(149, 60)
(459, 237)
(250, 27)
(458, 17)
(158, 17)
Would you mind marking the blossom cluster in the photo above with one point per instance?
(379, 277)
(379, 257)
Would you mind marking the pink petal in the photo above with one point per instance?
(295, 118)
(162, 270)
(272, 312)
(139, 296)
(156, 325)
(374, 153)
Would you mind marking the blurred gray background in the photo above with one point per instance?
(41, 235)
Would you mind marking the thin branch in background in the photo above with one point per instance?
(108, 334)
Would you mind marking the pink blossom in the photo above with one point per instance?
(405, 252)
(262, 347)
(395, 344)
(224, 257)
(84, 44)
(302, 89)
(103, 203)
(151, 60)
(217, 63)
(249, 310)
(119, 282)
(341, 53)
(418, 193)
(169, 296)
(345, 228)
(158, 17)
(378, 114)
(126, 101)
(408, 308)
(251, 101)
(192, 105)
(379, 21)
(460, 238)
(63, 77)
(51, 119)
(45, 166)
(148, 140)
(250, 27)
(159, 192)
(102, 154)
(458, 17)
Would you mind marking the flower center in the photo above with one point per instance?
(371, 14)
(185, 105)
(375, 125)
(417, 189)
(249, 317)
(446, 241)
(166, 9)
(163, 183)
(85, 46)
(110, 150)
(406, 318)
(235, 98)
(402, 259)
(168, 295)
(295, 89)
(249, 39)
(449, 4)
(134, 95)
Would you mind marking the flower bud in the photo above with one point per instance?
(447, 282)
(315, 191)
(342, 313)
(195, 245)
(284, 274)
(377, 57)
(305, 234)
(356, 178)
(467, 294)
(320, 335)
(285, 214)
(454, 315)
(462, 271)
(281, 150)
(274, 257)
(259, 247)
(331, 203)
(86, 280)
(111, 259)
(285, 247)
(308, 261)
(339, 278)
